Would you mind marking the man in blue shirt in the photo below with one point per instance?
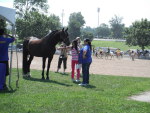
(4, 43)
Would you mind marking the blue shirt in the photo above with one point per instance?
(88, 58)
(4, 43)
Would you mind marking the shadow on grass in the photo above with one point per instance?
(8, 90)
(50, 81)
(61, 73)
(89, 86)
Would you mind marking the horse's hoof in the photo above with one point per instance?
(43, 78)
(29, 75)
(47, 78)
(24, 75)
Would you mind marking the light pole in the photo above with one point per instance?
(62, 15)
(98, 10)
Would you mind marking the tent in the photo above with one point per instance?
(8, 14)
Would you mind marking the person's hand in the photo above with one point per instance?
(84, 56)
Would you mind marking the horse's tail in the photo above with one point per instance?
(25, 56)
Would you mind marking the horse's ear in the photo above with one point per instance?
(66, 29)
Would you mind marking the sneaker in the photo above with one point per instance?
(73, 80)
(63, 73)
(5, 87)
(82, 84)
(77, 80)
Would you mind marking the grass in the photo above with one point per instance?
(114, 44)
(105, 94)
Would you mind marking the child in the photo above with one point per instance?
(74, 62)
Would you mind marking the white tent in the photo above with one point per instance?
(8, 14)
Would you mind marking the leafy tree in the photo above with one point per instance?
(37, 25)
(76, 21)
(33, 22)
(138, 34)
(103, 30)
(2, 24)
(117, 27)
(87, 29)
(25, 6)
(88, 35)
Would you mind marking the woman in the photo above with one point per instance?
(62, 57)
(86, 59)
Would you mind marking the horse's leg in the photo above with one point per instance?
(25, 59)
(48, 66)
(29, 63)
(25, 71)
(43, 67)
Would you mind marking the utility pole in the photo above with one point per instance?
(62, 15)
(98, 10)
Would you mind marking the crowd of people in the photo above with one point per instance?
(81, 58)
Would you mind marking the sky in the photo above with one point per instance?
(129, 10)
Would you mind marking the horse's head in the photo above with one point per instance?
(64, 36)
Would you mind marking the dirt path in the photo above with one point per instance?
(122, 67)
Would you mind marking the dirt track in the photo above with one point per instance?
(122, 67)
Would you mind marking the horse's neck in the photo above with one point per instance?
(53, 41)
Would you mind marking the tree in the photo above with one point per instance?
(25, 6)
(117, 27)
(87, 32)
(2, 24)
(37, 25)
(88, 35)
(103, 31)
(76, 21)
(33, 22)
(138, 34)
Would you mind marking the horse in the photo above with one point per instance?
(44, 47)
(107, 54)
(119, 54)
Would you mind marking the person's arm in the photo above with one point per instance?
(60, 48)
(9, 36)
(84, 54)
(68, 47)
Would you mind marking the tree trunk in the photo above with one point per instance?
(143, 48)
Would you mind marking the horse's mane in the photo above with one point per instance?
(51, 34)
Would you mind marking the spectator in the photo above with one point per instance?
(132, 55)
(86, 60)
(74, 62)
(62, 58)
(4, 43)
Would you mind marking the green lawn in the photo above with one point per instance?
(105, 94)
(114, 44)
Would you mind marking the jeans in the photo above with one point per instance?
(85, 72)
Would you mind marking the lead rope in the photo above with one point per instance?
(18, 75)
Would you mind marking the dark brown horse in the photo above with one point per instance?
(44, 48)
